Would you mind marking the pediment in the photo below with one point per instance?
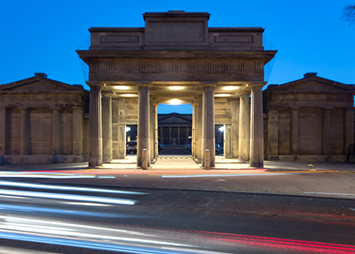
(174, 120)
(37, 85)
(313, 85)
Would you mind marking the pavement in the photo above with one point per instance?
(319, 179)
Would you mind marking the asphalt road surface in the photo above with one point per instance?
(63, 218)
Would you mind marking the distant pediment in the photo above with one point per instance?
(174, 120)
(316, 85)
(39, 85)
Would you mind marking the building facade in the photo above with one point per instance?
(176, 56)
(43, 121)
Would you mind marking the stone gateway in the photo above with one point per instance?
(176, 58)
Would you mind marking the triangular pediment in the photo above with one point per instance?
(313, 85)
(174, 120)
(37, 85)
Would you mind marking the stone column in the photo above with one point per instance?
(208, 128)
(348, 130)
(152, 130)
(24, 132)
(78, 131)
(156, 141)
(244, 127)
(121, 141)
(199, 131)
(121, 130)
(273, 132)
(256, 127)
(227, 140)
(187, 134)
(294, 131)
(143, 123)
(106, 128)
(95, 127)
(235, 128)
(327, 138)
(194, 129)
(3, 131)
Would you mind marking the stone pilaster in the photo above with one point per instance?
(244, 127)
(3, 131)
(169, 135)
(24, 131)
(178, 136)
(235, 128)
(348, 130)
(273, 132)
(106, 128)
(56, 132)
(143, 123)
(78, 131)
(208, 127)
(95, 127)
(256, 127)
(227, 140)
(294, 131)
(326, 137)
(121, 141)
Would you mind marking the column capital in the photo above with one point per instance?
(328, 108)
(257, 84)
(55, 108)
(144, 83)
(78, 108)
(244, 94)
(94, 83)
(295, 108)
(23, 108)
(208, 83)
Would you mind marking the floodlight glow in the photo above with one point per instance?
(175, 101)
(222, 95)
(176, 87)
(122, 87)
(128, 129)
(229, 88)
(129, 95)
(221, 129)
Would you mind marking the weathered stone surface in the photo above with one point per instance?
(311, 119)
(38, 115)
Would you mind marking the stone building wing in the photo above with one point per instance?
(310, 119)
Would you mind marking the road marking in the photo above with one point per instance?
(226, 175)
(327, 193)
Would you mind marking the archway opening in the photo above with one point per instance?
(174, 128)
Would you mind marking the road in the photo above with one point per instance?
(64, 218)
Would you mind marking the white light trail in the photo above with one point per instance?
(68, 197)
(70, 188)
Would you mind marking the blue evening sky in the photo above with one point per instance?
(42, 36)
